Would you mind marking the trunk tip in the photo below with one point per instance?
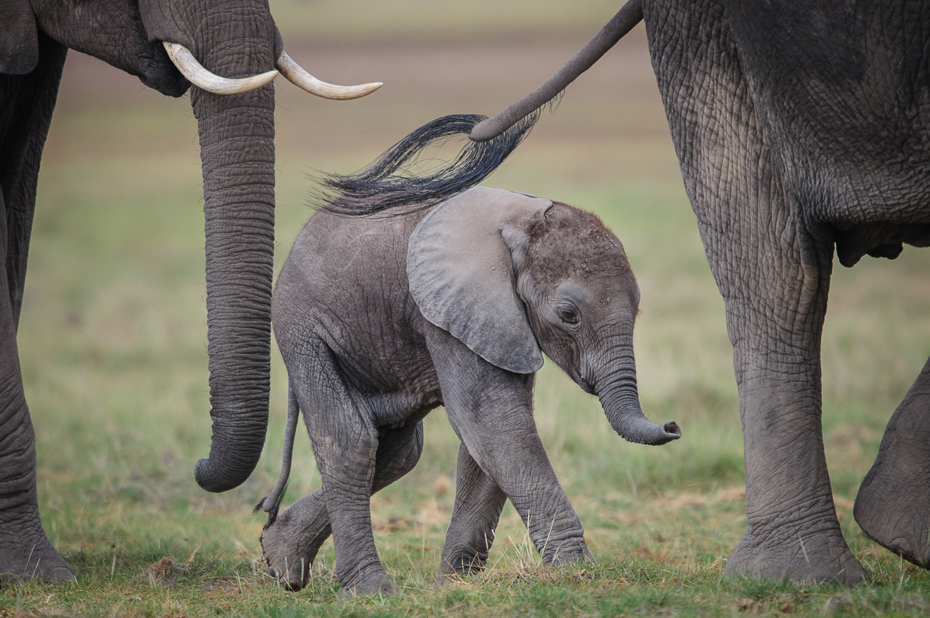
(661, 435)
(643, 431)
(672, 429)
(205, 474)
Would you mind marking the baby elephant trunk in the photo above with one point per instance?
(621, 404)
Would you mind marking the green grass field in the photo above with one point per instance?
(113, 344)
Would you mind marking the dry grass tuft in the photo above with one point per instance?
(164, 572)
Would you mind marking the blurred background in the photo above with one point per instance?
(113, 331)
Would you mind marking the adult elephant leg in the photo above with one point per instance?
(25, 551)
(478, 505)
(291, 542)
(772, 262)
(893, 505)
(776, 328)
(27, 102)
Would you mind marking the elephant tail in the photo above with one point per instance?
(272, 502)
(621, 23)
(396, 180)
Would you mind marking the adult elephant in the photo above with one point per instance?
(167, 44)
(800, 131)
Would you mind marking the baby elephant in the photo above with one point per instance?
(381, 319)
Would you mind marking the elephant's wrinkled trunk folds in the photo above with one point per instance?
(237, 151)
(620, 399)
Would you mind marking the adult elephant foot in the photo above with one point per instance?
(893, 509)
(33, 559)
(25, 551)
(822, 558)
(291, 542)
(893, 505)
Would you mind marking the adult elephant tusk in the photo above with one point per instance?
(184, 60)
(303, 80)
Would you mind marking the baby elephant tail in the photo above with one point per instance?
(271, 503)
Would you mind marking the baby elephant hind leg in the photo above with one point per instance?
(291, 542)
(893, 505)
(477, 510)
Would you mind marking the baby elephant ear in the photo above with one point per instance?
(462, 279)
(19, 38)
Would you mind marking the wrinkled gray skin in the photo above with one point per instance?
(491, 273)
(801, 129)
(233, 38)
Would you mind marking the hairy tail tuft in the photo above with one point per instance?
(392, 182)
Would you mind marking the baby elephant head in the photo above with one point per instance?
(512, 276)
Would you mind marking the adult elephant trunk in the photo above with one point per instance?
(619, 396)
(237, 151)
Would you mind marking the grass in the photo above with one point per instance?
(113, 346)
(435, 21)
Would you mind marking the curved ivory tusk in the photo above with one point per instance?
(300, 78)
(184, 60)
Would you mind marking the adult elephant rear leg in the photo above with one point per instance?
(291, 541)
(893, 505)
(793, 531)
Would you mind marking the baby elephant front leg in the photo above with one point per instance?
(491, 410)
(477, 510)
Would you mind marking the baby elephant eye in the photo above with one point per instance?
(567, 315)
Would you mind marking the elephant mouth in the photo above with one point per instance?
(184, 60)
(585, 385)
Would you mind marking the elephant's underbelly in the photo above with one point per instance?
(881, 240)
(392, 410)
(395, 385)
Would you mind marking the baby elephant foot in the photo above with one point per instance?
(465, 550)
(292, 540)
(374, 581)
(566, 552)
(459, 563)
